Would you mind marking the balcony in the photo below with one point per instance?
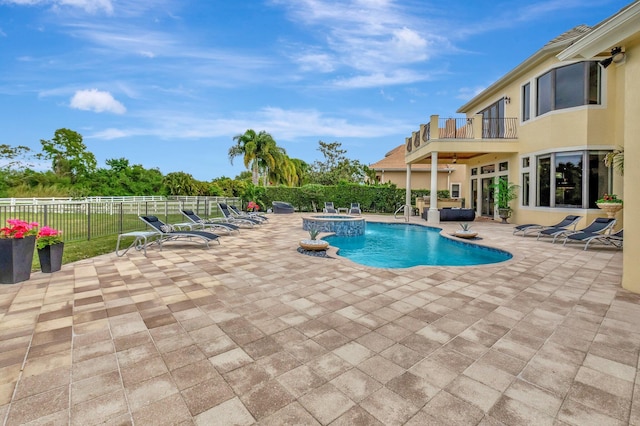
(472, 129)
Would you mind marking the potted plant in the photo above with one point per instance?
(505, 192)
(312, 243)
(50, 248)
(466, 231)
(611, 204)
(253, 206)
(17, 242)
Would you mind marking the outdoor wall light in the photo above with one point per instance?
(617, 56)
(507, 100)
(455, 158)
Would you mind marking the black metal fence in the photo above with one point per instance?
(84, 220)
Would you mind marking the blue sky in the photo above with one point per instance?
(168, 83)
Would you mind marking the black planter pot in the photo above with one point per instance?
(16, 256)
(51, 257)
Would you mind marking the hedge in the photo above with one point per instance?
(373, 199)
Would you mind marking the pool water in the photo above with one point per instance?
(394, 245)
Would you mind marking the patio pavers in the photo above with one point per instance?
(253, 332)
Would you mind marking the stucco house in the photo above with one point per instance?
(546, 126)
(393, 169)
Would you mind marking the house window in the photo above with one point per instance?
(526, 102)
(544, 181)
(568, 170)
(504, 166)
(569, 86)
(491, 168)
(565, 178)
(455, 190)
(599, 177)
(526, 162)
(526, 184)
(474, 171)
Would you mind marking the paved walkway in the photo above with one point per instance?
(252, 332)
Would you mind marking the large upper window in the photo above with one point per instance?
(569, 86)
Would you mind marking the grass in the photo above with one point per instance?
(78, 250)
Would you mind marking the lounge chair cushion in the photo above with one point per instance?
(282, 207)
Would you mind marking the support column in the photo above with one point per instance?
(407, 197)
(433, 216)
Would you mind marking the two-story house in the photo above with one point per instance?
(547, 126)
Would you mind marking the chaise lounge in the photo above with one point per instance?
(229, 217)
(329, 208)
(213, 224)
(599, 226)
(170, 233)
(239, 213)
(614, 239)
(566, 223)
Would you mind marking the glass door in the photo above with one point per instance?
(487, 197)
(474, 194)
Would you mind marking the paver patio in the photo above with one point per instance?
(252, 332)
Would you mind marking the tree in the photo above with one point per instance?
(10, 156)
(68, 154)
(337, 167)
(260, 152)
(180, 183)
(118, 165)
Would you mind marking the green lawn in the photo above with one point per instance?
(78, 250)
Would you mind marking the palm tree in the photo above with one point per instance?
(615, 159)
(259, 150)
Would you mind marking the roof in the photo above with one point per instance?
(550, 49)
(394, 160)
(570, 35)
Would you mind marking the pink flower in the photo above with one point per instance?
(48, 236)
(18, 229)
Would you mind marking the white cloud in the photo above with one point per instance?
(285, 124)
(320, 62)
(381, 79)
(96, 101)
(377, 39)
(467, 93)
(91, 6)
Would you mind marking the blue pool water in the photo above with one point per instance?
(394, 245)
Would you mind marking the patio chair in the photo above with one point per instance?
(598, 226)
(213, 224)
(614, 239)
(239, 213)
(566, 223)
(355, 208)
(229, 217)
(170, 233)
(328, 207)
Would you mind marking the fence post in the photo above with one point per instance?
(45, 216)
(121, 219)
(88, 221)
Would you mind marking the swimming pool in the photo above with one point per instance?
(395, 245)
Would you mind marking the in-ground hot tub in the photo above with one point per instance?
(341, 225)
